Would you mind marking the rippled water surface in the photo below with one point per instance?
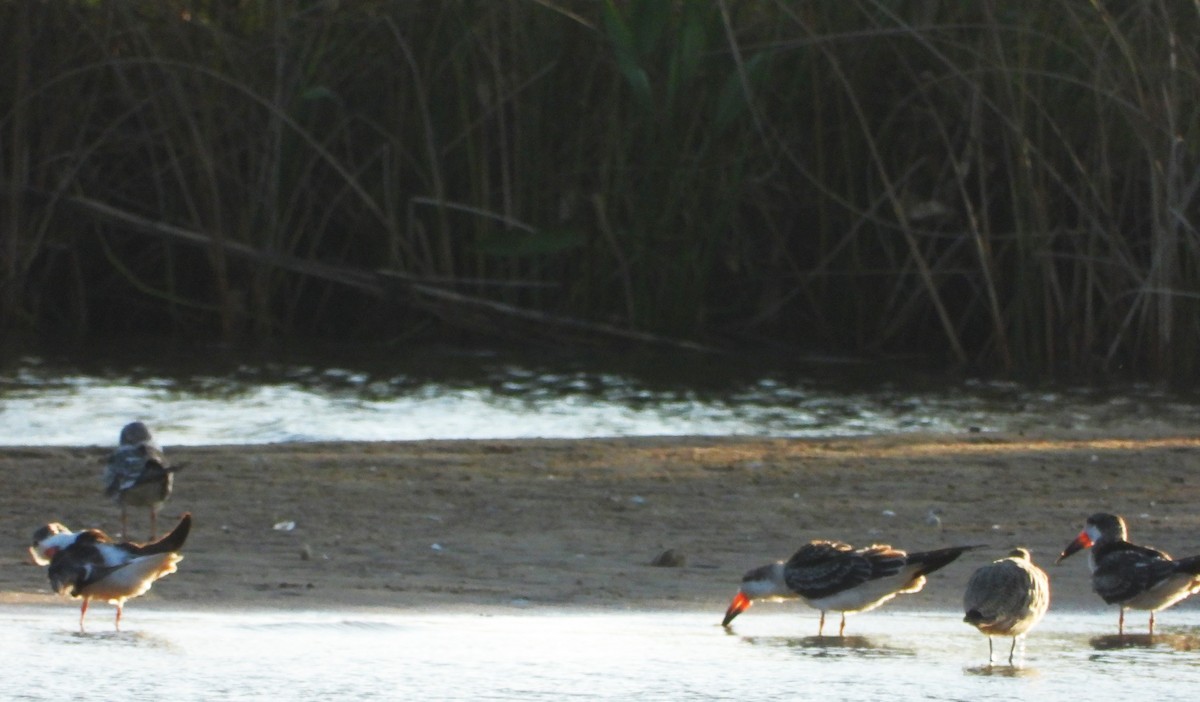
(566, 654)
(205, 396)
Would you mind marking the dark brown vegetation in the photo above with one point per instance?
(1010, 185)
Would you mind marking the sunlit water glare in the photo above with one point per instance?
(572, 654)
(483, 396)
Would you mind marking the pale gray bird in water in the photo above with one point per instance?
(138, 475)
(1007, 597)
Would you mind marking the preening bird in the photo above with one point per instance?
(90, 565)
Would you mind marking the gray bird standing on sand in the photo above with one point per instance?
(1007, 597)
(138, 475)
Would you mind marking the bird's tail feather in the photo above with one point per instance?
(170, 542)
(930, 561)
(974, 617)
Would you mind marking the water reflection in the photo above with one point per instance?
(994, 670)
(552, 654)
(1177, 642)
(112, 638)
(831, 646)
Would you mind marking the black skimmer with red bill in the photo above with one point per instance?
(42, 542)
(835, 576)
(89, 565)
(138, 475)
(1007, 597)
(1129, 575)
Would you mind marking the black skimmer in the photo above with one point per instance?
(41, 542)
(1007, 598)
(1129, 575)
(834, 576)
(89, 565)
(138, 475)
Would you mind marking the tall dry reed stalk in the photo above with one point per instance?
(1011, 186)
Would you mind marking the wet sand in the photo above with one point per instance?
(578, 522)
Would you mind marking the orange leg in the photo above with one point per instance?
(842, 628)
(120, 606)
(821, 626)
(82, 613)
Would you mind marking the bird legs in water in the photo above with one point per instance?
(1121, 623)
(841, 627)
(83, 613)
(1011, 651)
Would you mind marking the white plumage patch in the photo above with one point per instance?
(132, 579)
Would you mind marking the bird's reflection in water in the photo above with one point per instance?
(1001, 670)
(831, 646)
(846, 642)
(130, 639)
(1178, 642)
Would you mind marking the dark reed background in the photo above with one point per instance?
(1011, 186)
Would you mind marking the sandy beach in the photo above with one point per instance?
(578, 522)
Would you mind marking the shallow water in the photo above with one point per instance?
(436, 393)
(563, 654)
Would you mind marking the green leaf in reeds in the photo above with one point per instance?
(648, 21)
(732, 101)
(689, 51)
(626, 53)
(517, 243)
(319, 92)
